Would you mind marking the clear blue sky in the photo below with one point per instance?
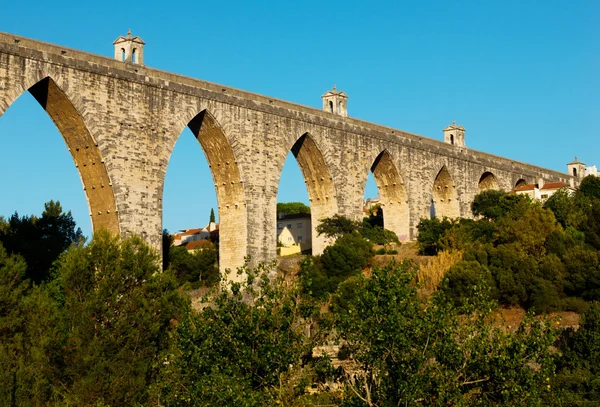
(521, 76)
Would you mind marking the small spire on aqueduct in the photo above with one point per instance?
(129, 49)
(335, 102)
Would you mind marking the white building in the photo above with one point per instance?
(191, 235)
(541, 191)
(294, 233)
(591, 170)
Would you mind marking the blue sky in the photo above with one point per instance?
(521, 76)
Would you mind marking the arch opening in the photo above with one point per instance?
(229, 231)
(321, 198)
(521, 182)
(101, 211)
(487, 181)
(393, 199)
(444, 196)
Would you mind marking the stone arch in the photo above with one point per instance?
(487, 181)
(233, 229)
(319, 184)
(445, 195)
(84, 150)
(392, 194)
(520, 182)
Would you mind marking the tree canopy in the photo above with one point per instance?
(292, 208)
(40, 240)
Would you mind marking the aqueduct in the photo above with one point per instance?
(121, 120)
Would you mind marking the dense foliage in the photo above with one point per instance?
(40, 240)
(292, 208)
(192, 269)
(105, 327)
(93, 333)
(410, 351)
(543, 258)
(347, 257)
(245, 349)
(370, 229)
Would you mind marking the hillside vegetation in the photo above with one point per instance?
(102, 325)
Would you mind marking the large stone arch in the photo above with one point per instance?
(319, 184)
(82, 146)
(231, 200)
(487, 181)
(445, 195)
(392, 194)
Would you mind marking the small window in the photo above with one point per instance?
(331, 106)
(339, 107)
(298, 239)
(299, 225)
(289, 238)
(574, 172)
(289, 225)
(123, 54)
(544, 196)
(134, 56)
(452, 139)
(279, 226)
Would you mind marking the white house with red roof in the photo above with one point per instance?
(542, 190)
(183, 237)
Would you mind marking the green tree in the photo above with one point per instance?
(411, 351)
(337, 226)
(494, 204)
(199, 267)
(118, 311)
(430, 233)
(562, 204)
(577, 382)
(242, 349)
(590, 187)
(212, 215)
(41, 240)
(292, 208)
(349, 256)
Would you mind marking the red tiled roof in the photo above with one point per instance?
(189, 232)
(554, 185)
(527, 187)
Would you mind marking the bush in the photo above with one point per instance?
(243, 350)
(494, 204)
(349, 256)
(430, 232)
(463, 280)
(197, 268)
(577, 382)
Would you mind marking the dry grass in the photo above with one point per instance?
(433, 271)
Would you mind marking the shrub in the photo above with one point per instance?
(349, 256)
(430, 232)
(463, 280)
